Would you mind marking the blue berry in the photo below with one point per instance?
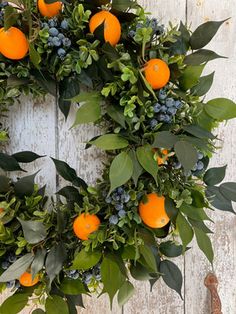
(172, 111)
(53, 31)
(66, 42)
(156, 107)
(200, 155)
(119, 206)
(162, 94)
(170, 102)
(5, 265)
(3, 4)
(12, 258)
(159, 29)
(116, 197)
(10, 284)
(161, 117)
(52, 22)
(163, 109)
(132, 33)
(139, 25)
(64, 24)
(153, 123)
(113, 220)
(61, 36)
(108, 200)
(56, 41)
(122, 213)
(125, 198)
(194, 167)
(200, 165)
(88, 278)
(61, 52)
(45, 25)
(120, 190)
(167, 119)
(178, 104)
(177, 165)
(153, 23)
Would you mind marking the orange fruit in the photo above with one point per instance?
(85, 224)
(157, 73)
(26, 280)
(112, 27)
(13, 43)
(49, 10)
(153, 212)
(161, 160)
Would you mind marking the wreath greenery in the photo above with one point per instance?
(155, 186)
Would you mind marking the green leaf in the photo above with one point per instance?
(68, 88)
(9, 163)
(214, 176)
(38, 261)
(185, 230)
(146, 159)
(35, 57)
(165, 139)
(203, 86)
(85, 260)
(170, 249)
(181, 44)
(90, 111)
(139, 272)
(204, 34)
(199, 132)
(125, 293)
(34, 231)
(45, 80)
(26, 156)
(221, 109)
(55, 260)
(172, 276)
(190, 76)
(200, 225)
(149, 258)
(72, 195)
(4, 184)
(138, 169)
(204, 244)
(121, 170)
(201, 56)
(17, 268)
(117, 115)
(228, 190)
(217, 199)
(194, 213)
(14, 304)
(112, 277)
(56, 305)
(10, 17)
(72, 286)
(68, 173)
(170, 208)
(25, 186)
(38, 311)
(186, 154)
(110, 142)
(123, 5)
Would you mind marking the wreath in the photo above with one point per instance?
(143, 84)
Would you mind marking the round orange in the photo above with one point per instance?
(49, 10)
(26, 280)
(161, 160)
(112, 27)
(85, 224)
(153, 212)
(13, 43)
(157, 73)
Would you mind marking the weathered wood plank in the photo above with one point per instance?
(224, 238)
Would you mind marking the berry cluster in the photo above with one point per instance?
(165, 109)
(56, 37)
(152, 23)
(87, 277)
(2, 6)
(118, 199)
(6, 263)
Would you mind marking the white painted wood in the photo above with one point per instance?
(224, 238)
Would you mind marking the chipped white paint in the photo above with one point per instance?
(35, 126)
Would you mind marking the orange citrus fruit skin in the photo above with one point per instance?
(112, 27)
(161, 160)
(157, 73)
(49, 10)
(13, 43)
(27, 281)
(85, 224)
(153, 212)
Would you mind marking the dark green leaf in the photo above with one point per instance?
(14, 304)
(170, 249)
(111, 53)
(139, 272)
(228, 189)
(45, 80)
(25, 186)
(38, 261)
(170, 208)
(181, 45)
(221, 109)
(123, 5)
(149, 258)
(194, 213)
(200, 225)
(214, 176)
(185, 230)
(137, 167)
(85, 260)
(56, 305)
(204, 34)
(17, 268)
(186, 154)
(35, 57)
(71, 194)
(146, 159)
(110, 142)
(172, 276)
(73, 301)
(164, 139)
(201, 56)
(121, 170)
(26, 156)
(204, 244)
(55, 260)
(199, 132)
(34, 231)
(190, 76)
(217, 199)
(117, 115)
(9, 163)
(4, 184)
(204, 85)
(10, 17)
(68, 88)
(125, 293)
(38, 311)
(72, 286)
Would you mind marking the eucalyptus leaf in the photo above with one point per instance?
(110, 142)
(201, 56)
(38, 261)
(34, 231)
(221, 109)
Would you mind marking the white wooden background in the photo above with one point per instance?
(41, 128)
